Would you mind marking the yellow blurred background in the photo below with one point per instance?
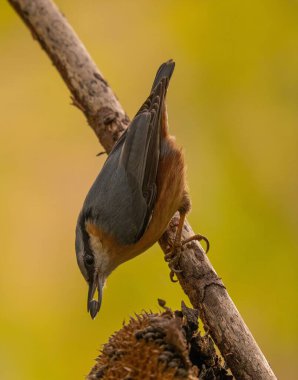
(232, 105)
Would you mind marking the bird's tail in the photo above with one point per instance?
(165, 71)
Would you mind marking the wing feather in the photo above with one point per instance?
(123, 196)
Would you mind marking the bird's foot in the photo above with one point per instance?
(198, 237)
(172, 257)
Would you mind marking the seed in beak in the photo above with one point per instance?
(93, 306)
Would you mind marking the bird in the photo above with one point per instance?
(141, 185)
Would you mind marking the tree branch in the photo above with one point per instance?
(92, 94)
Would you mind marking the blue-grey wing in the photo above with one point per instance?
(122, 198)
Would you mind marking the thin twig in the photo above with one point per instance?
(92, 94)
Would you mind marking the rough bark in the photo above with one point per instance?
(89, 90)
(219, 314)
(91, 93)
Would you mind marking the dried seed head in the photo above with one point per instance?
(165, 346)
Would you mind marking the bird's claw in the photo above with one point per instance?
(172, 258)
(173, 253)
(172, 274)
(198, 237)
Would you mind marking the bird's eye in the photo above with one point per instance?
(89, 260)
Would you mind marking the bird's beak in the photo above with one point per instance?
(93, 306)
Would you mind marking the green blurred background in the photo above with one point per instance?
(232, 105)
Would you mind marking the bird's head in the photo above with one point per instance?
(93, 262)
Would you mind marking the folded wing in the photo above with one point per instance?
(125, 190)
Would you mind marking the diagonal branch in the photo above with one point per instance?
(92, 94)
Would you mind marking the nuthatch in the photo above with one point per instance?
(140, 187)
